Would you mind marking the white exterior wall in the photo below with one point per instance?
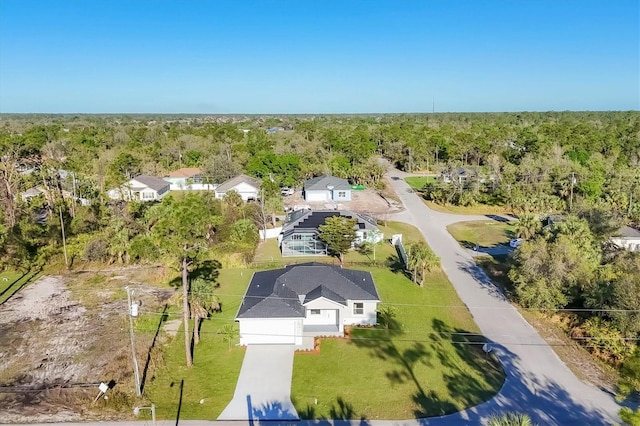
(270, 331)
(330, 312)
(245, 190)
(631, 244)
(271, 233)
(369, 317)
(326, 317)
(317, 196)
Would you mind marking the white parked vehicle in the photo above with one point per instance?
(286, 191)
(515, 243)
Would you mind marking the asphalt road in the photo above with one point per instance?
(538, 382)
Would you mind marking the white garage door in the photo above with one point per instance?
(316, 195)
(270, 331)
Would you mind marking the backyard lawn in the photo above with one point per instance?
(487, 233)
(421, 366)
(268, 252)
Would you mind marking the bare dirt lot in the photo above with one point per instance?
(63, 335)
(369, 201)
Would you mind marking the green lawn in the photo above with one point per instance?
(12, 282)
(418, 182)
(216, 368)
(471, 210)
(412, 370)
(487, 233)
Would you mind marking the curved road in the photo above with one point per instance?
(537, 381)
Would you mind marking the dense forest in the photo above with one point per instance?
(582, 165)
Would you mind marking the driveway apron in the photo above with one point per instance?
(263, 391)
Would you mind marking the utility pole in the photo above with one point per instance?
(64, 240)
(136, 371)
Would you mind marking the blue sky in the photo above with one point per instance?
(318, 56)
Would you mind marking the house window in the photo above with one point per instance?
(358, 308)
(342, 194)
(147, 195)
(315, 312)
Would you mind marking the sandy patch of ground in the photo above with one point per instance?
(61, 336)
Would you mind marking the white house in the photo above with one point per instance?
(188, 179)
(311, 299)
(627, 238)
(247, 187)
(141, 188)
(299, 236)
(30, 193)
(327, 188)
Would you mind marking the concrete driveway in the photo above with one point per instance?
(263, 391)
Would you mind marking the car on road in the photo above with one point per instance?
(286, 191)
(515, 243)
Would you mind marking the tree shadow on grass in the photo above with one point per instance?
(403, 360)
(540, 396)
(461, 384)
(397, 266)
(340, 413)
(145, 371)
(14, 288)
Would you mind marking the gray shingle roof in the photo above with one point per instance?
(321, 183)
(229, 184)
(628, 232)
(311, 219)
(275, 293)
(152, 182)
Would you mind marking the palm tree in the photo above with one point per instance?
(528, 226)
(202, 302)
(420, 256)
(510, 419)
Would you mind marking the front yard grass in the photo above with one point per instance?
(488, 233)
(418, 182)
(11, 282)
(213, 377)
(428, 363)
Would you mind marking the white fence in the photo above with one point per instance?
(193, 187)
(396, 240)
(271, 233)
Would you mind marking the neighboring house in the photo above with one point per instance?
(461, 175)
(299, 236)
(141, 188)
(247, 187)
(627, 238)
(327, 188)
(31, 193)
(188, 179)
(311, 299)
